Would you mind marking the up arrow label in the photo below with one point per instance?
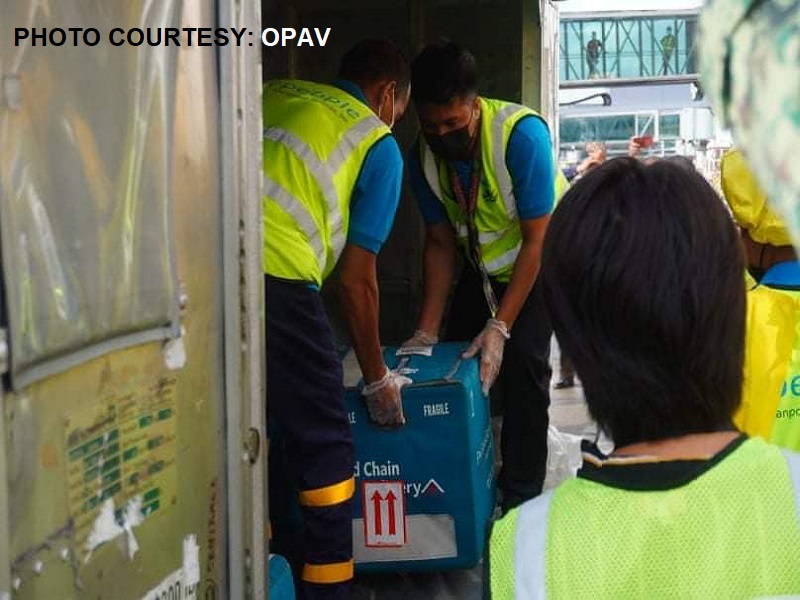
(384, 513)
(376, 508)
(390, 500)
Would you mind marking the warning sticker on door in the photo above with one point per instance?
(384, 514)
(121, 457)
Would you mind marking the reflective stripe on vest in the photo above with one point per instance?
(295, 208)
(322, 214)
(499, 147)
(532, 540)
(793, 462)
(484, 237)
(507, 259)
(531, 548)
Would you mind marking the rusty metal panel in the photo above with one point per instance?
(115, 466)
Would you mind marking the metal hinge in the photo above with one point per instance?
(252, 445)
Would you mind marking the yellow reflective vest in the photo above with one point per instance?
(731, 532)
(496, 218)
(771, 390)
(315, 140)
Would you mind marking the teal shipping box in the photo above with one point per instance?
(281, 584)
(425, 492)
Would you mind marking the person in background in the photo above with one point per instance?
(667, 48)
(634, 147)
(647, 298)
(332, 177)
(596, 154)
(483, 176)
(594, 48)
(771, 395)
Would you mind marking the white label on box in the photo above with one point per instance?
(428, 537)
(384, 505)
(415, 351)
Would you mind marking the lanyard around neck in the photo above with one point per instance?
(468, 205)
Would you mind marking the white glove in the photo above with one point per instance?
(420, 342)
(490, 342)
(383, 399)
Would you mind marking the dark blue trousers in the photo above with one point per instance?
(312, 450)
(523, 383)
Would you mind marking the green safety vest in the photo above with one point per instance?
(561, 183)
(770, 404)
(733, 532)
(316, 138)
(496, 219)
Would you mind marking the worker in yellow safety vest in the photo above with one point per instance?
(771, 394)
(642, 273)
(482, 174)
(332, 177)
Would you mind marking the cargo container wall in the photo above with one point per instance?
(119, 235)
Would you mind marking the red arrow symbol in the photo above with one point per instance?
(391, 498)
(376, 503)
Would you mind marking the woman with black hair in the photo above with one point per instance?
(642, 275)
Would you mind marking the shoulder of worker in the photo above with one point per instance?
(530, 139)
(525, 114)
(385, 155)
(531, 129)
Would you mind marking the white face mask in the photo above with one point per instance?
(391, 125)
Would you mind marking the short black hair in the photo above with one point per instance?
(642, 274)
(443, 72)
(374, 60)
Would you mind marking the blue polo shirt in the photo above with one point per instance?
(529, 160)
(374, 201)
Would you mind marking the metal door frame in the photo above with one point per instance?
(5, 529)
(243, 297)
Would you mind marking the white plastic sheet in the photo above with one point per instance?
(85, 198)
(563, 456)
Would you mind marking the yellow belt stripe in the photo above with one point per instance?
(331, 573)
(329, 495)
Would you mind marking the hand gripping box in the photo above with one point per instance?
(424, 492)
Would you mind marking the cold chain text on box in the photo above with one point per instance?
(172, 36)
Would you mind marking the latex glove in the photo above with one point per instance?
(490, 342)
(420, 339)
(383, 399)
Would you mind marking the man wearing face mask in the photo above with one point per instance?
(332, 177)
(483, 176)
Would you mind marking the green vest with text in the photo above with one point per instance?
(771, 385)
(496, 218)
(315, 140)
(731, 532)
